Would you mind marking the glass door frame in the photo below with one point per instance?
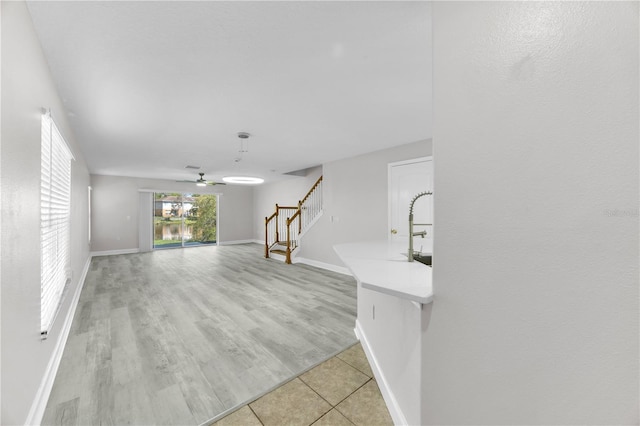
(159, 204)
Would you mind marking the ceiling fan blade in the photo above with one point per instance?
(202, 181)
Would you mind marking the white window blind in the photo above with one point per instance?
(55, 221)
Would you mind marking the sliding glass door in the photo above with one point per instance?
(167, 220)
(184, 219)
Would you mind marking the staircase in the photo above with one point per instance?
(285, 227)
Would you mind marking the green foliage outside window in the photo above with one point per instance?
(205, 218)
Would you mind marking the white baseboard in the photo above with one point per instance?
(44, 391)
(392, 404)
(327, 266)
(229, 243)
(113, 252)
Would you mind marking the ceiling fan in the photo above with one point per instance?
(202, 181)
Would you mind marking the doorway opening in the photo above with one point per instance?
(184, 219)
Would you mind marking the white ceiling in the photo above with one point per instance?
(151, 87)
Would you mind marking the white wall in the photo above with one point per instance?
(115, 210)
(356, 196)
(27, 87)
(389, 329)
(535, 316)
(285, 193)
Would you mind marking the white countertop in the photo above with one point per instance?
(382, 266)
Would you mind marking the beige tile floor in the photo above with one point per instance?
(339, 391)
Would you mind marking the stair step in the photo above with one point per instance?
(278, 251)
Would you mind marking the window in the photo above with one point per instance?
(55, 221)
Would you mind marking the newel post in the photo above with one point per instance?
(266, 237)
(277, 224)
(288, 260)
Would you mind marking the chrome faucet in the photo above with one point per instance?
(411, 225)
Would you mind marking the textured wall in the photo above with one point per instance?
(115, 210)
(354, 192)
(535, 316)
(285, 193)
(356, 195)
(27, 87)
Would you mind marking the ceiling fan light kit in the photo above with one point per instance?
(202, 181)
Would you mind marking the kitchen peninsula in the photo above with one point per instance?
(392, 293)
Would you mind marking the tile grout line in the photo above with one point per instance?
(254, 399)
(332, 406)
(360, 387)
(343, 399)
(314, 391)
(255, 414)
(351, 365)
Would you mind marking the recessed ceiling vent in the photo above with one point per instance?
(192, 167)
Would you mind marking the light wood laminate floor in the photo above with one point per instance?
(179, 336)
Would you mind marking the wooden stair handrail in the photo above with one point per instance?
(297, 213)
(315, 185)
(292, 218)
(289, 220)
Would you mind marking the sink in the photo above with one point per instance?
(424, 259)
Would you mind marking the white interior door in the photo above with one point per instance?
(406, 180)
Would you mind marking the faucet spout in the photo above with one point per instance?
(411, 233)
